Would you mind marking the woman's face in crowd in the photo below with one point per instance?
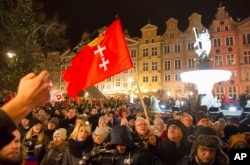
(82, 134)
(37, 128)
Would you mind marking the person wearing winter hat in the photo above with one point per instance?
(174, 145)
(202, 119)
(101, 139)
(60, 133)
(56, 148)
(206, 149)
(54, 121)
(230, 130)
(129, 153)
(51, 127)
(233, 121)
(100, 135)
(131, 122)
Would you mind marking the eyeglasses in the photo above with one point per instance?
(140, 125)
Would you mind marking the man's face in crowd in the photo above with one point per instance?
(71, 113)
(203, 122)
(174, 133)
(187, 121)
(205, 154)
(12, 152)
(25, 122)
(121, 148)
(141, 127)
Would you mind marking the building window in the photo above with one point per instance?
(218, 60)
(166, 49)
(117, 82)
(177, 47)
(109, 87)
(108, 79)
(177, 77)
(154, 51)
(190, 45)
(230, 59)
(133, 52)
(171, 34)
(153, 40)
(247, 76)
(125, 82)
(167, 77)
(154, 78)
(226, 28)
(62, 88)
(145, 52)
(247, 57)
(232, 91)
(246, 38)
(191, 63)
(219, 92)
(218, 29)
(145, 66)
(146, 41)
(145, 79)
(154, 65)
(167, 65)
(217, 42)
(177, 64)
(229, 41)
(61, 79)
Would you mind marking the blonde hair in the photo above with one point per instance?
(40, 135)
(75, 132)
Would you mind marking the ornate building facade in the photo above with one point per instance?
(159, 59)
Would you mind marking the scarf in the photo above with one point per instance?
(77, 148)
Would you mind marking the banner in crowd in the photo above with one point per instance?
(56, 95)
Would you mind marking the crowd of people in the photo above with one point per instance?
(111, 131)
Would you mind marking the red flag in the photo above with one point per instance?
(102, 58)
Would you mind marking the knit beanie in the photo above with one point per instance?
(61, 132)
(35, 121)
(130, 117)
(103, 132)
(177, 123)
(200, 115)
(230, 130)
(55, 121)
(207, 136)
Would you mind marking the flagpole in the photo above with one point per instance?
(142, 101)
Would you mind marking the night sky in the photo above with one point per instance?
(89, 15)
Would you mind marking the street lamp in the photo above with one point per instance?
(11, 55)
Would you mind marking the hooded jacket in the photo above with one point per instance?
(134, 155)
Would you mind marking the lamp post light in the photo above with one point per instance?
(11, 55)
